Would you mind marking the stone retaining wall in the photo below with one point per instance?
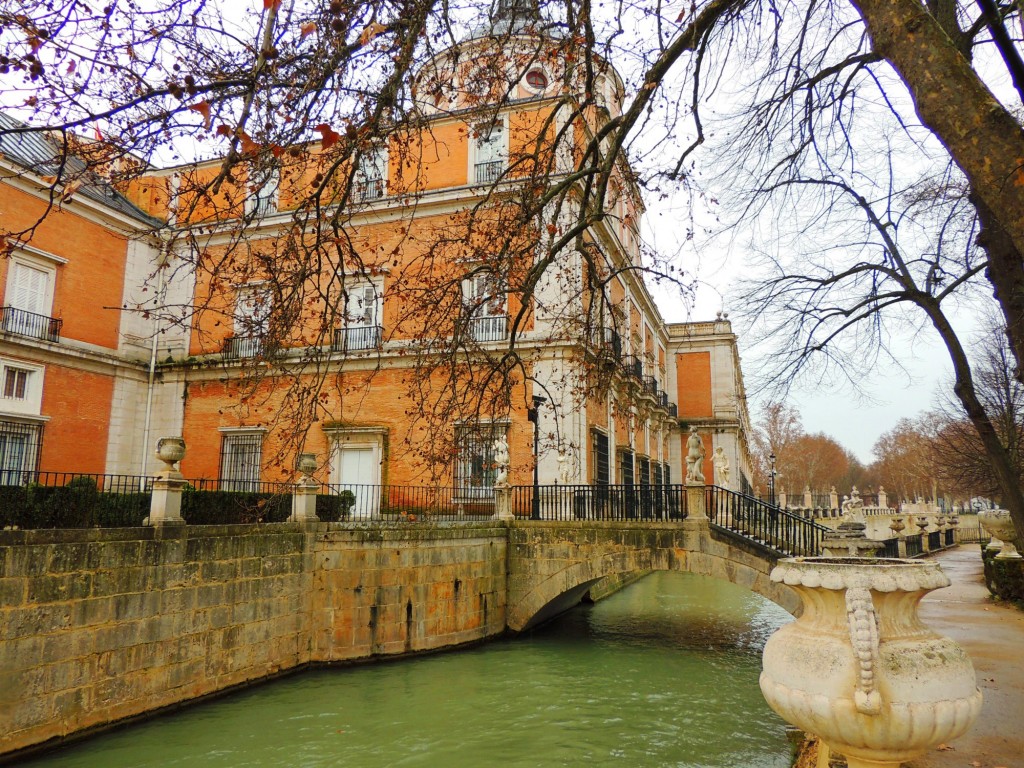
(101, 625)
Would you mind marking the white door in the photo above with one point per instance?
(359, 472)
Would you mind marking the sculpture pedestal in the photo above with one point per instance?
(304, 503)
(849, 540)
(503, 502)
(165, 504)
(859, 669)
(696, 508)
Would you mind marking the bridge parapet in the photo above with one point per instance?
(552, 565)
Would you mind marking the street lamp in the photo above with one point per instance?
(771, 479)
(533, 414)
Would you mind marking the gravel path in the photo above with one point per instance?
(992, 633)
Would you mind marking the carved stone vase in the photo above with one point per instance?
(859, 669)
(1000, 526)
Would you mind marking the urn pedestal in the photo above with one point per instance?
(859, 669)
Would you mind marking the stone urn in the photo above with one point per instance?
(897, 525)
(859, 669)
(1000, 526)
(306, 464)
(170, 450)
(922, 523)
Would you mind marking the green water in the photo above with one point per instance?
(663, 673)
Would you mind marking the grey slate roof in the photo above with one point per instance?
(36, 152)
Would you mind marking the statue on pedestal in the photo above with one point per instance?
(695, 458)
(501, 461)
(721, 462)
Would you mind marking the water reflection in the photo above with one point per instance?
(661, 674)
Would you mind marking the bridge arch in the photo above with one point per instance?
(553, 565)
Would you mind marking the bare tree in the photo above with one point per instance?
(960, 459)
(246, 87)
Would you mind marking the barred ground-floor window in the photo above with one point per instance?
(240, 460)
(20, 444)
(475, 470)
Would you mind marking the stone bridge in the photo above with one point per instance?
(552, 565)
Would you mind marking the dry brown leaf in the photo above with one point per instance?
(307, 29)
(328, 136)
(203, 108)
(372, 30)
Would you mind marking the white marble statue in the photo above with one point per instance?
(694, 458)
(721, 462)
(501, 460)
(563, 468)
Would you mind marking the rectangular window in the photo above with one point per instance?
(252, 320)
(264, 187)
(645, 470)
(626, 476)
(475, 471)
(29, 301)
(484, 301)
(490, 153)
(599, 451)
(363, 309)
(240, 459)
(19, 451)
(370, 181)
(15, 383)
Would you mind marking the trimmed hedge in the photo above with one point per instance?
(1004, 578)
(79, 504)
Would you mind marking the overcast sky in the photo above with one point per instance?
(855, 420)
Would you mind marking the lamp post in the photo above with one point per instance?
(533, 414)
(771, 479)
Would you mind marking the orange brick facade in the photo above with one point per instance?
(236, 331)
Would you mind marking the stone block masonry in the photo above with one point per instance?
(105, 624)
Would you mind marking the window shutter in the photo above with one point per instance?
(30, 286)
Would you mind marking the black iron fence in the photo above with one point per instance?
(599, 502)
(914, 547)
(786, 533)
(891, 548)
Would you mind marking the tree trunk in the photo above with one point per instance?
(1006, 476)
(981, 135)
(1006, 272)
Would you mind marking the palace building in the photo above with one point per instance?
(392, 304)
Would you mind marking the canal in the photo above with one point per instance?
(664, 673)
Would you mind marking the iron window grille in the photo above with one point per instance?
(20, 445)
(240, 460)
(475, 470)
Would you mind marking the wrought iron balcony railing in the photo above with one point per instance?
(489, 328)
(368, 189)
(633, 366)
(236, 347)
(357, 338)
(608, 342)
(22, 323)
(488, 173)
